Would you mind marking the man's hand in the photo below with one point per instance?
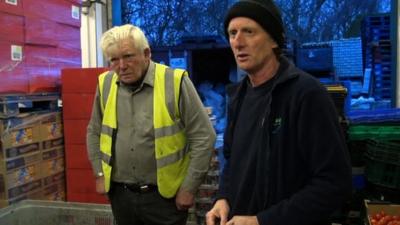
(100, 187)
(184, 200)
(219, 212)
(243, 220)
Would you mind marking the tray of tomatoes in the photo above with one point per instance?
(381, 213)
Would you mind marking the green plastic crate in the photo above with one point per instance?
(383, 163)
(380, 132)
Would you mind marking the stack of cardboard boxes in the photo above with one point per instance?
(31, 158)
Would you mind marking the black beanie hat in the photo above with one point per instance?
(264, 12)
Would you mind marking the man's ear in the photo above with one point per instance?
(147, 53)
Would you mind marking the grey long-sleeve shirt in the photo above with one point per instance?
(134, 160)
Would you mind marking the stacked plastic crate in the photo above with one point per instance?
(79, 86)
(208, 189)
(379, 133)
(377, 54)
(373, 141)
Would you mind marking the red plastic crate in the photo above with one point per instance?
(75, 131)
(76, 157)
(77, 105)
(87, 198)
(80, 181)
(12, 8)
(72, 80)
(12, 27)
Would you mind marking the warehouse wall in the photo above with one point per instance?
(94, 23)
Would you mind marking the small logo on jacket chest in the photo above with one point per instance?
(276, 125)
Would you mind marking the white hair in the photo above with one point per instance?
(113, 36)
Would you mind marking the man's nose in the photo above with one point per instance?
(236, 40)
(122, 63)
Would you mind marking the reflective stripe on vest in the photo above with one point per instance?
(170, 140)
(108, 90)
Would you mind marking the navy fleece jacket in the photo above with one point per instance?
(302, 171)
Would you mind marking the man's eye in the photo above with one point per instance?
(128, 56)
(248, 31)
(113, 60)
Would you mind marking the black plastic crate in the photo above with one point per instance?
(383, 163)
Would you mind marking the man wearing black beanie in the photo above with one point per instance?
(286, 156)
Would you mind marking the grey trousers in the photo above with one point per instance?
(150, 208)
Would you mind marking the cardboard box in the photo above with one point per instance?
(21, 175)
(37, 194)
(51, 130)
(19, 136)
(54, 192)
(53, 162)
(53, 143)
(12, 28)
(9, 165)
(17, 191)
(52, 166)
(53, 179)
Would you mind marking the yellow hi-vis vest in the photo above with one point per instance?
(171, 150)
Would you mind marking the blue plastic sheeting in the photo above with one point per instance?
(213, 95)
(374, 116)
